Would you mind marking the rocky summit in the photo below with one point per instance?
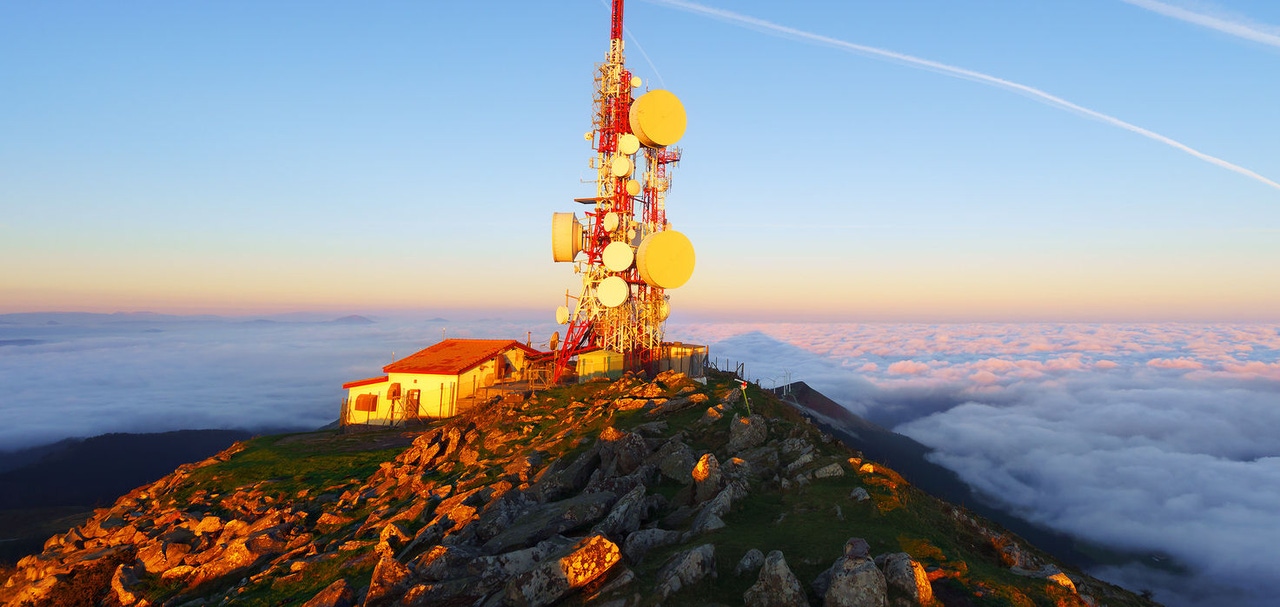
(620, 493)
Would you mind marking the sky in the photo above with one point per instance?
(1102, 160)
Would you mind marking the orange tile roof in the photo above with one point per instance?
(364, 382)
(454, 356)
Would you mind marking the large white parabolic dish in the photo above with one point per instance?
(566, 236)
(665, 259)
(613, 292)
(617, 257)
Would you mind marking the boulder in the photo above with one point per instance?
(751, 561)
(621, 453)
(685, 569)
(507, 565)
(707, 479)
(829, 471)
(859, 494)
(857, 548)
(639, 543)
(626, 515)
(712, 415)
(551, 519)
(444, 562)
(803, 460)
(337, 594)
(556, 578)
(675, 461)
(776, 586)
(709, 517)
(856, 582)
(390, 577)
(906, 578)
(562, 479)
(746, 433)
(123, 582)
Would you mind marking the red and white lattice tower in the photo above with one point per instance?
(625, 250)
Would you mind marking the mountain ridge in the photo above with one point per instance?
(631, 492)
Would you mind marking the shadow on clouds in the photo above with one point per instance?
(1160, 439)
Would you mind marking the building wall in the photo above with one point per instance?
(689, 359)
(600, 363)
(378, 416)
(437, 395)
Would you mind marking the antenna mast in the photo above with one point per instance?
(625, 251)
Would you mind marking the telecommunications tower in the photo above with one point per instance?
(624, 247)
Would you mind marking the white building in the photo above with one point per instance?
(436, 382)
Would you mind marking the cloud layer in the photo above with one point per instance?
(92, 374)
(1156, 439)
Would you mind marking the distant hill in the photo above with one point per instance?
(354, 319)
(41, 485)
(907, 456)
(94, 471)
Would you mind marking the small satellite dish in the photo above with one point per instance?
(612, 291)
(562, 315)
(589, 135)
(610, 221)
(633, 187)
(665, 259)
(631, 234)
(621, 166)
(617, 257)
(628, 144)
(664, 311)
(636, 82)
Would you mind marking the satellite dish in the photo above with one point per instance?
(612, 291)
(631, 234)
(610, 221)
(617, 257)
(621, 166)
(665, 259)
(664, 311)
(562, 315)
(566, 236)
(628, 144)
(657, 118)
(633, 187)
(636, 82)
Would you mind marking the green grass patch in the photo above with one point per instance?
(294, 462)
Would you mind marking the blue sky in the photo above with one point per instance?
(241, 157)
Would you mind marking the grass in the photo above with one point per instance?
(290, 463)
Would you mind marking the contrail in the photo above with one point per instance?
(1240, 28)
(769, 27)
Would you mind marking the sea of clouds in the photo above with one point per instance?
(1157, 439)
(1161, 440)
(75, 375)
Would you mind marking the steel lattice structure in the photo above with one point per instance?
(633, 177)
